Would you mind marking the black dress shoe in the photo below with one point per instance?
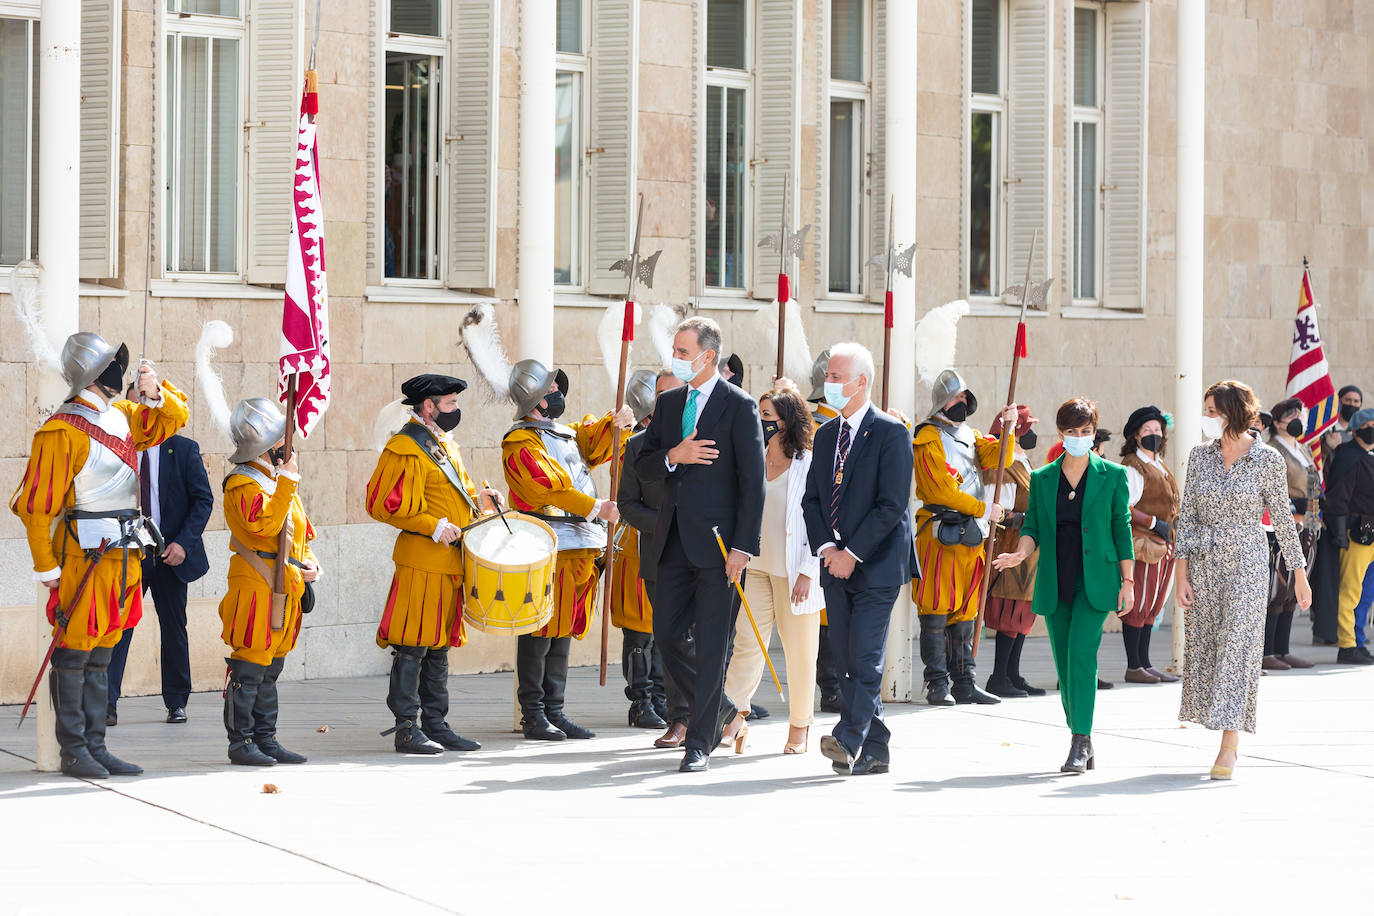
(937, 694)
(570, 728)
(1363, 650)
(448, 738)
(247, 754)
(176, 716)
(757, 712)
(868, 765)
(1104, 685)
(841, 761)
(830, 702)
(1002, 686)
(969, 692)
(1020, 683)
(410, 739)
(1353, 656)
(694, 761)
(111, 717)
(272, 748)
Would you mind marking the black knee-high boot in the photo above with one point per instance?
(531, 660)
(556, 688)
(1014, 669)
(964, 672)
(403, 699)
(240, 696)
(67, 684)
(999, 682)
(265, 717)
(636, 663)
(935, 656)
(95, 694)
(434, 703)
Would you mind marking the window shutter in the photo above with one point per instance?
(1123, 199)
(376, 107)
(100, 68)
(819, 240)
(1028, 140)
(777, 99)
(274, 99)
(614, 100)
(876, 277)
(470, 147)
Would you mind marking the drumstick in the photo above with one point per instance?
(752, 622)
(499, 511)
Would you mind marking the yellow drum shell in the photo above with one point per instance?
(508, 598)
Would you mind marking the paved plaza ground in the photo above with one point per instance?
(974, 815)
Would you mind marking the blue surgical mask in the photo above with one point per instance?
(684, 369)
(1078, 446)
(835, 396)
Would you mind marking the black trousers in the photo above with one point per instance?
(690, 596)
(676, 702)
(169, 599)
(859, 621)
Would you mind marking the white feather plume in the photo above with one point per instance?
(389, 419)
(481, 337)
(216, 335)
(608, 333)
(663, 322)
(24, 281)
(796, 357)
(936, 335)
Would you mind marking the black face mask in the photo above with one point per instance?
(957, 413)
(1294, 427)
(1028, 440)
(278, 455)
(1152, 442)
(447, 420)
(1365, 434)
(556, 405)
(1348, 411)
(111, 381)
(770, 429)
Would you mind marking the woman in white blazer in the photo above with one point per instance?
(783, 583)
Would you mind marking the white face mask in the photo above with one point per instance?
(1213, 427)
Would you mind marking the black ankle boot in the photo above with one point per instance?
(1081, 756)
(265, 717)
(95, 694)
(403, 699)
(245, 679)
(636, 664)
(67, 683)
(556, 687)
(966, 689)
(642, 715)
(434, 703)
(934, 655)
(535, 726)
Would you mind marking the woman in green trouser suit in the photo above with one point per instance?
(1079, 516)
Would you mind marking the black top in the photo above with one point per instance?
(1069, 535)
(1350, 481)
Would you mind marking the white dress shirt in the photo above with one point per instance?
(154, 499)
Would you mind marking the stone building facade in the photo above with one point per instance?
(1045, 117)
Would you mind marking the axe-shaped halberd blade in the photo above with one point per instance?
(790, 246)
(903, 260)
(645, 273)
(1038, 298)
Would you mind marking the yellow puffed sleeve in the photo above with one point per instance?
(936, 484)
(396, 494)
(58, 453)
(536, 480)
(151, 426)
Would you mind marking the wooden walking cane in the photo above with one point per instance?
(635, 268)
(1018, 351)
(744, 602)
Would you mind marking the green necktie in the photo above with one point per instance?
(689, 413)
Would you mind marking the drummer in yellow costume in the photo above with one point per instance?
(79, 502)
(949, 459)
(259, 500)
(421, 487)
(548, 469)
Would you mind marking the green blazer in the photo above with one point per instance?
(1106, 533)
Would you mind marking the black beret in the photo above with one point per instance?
(1350, 389)
(430, 386)
(1140, 416)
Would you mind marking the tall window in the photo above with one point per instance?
(986, 128)
(203, 135)
(848, 131)
(412, 132)
(570, 147)
(1087, 150)
(727, 161)
(18, 140)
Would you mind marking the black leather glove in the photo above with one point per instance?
(1338, 527)
(1163, 529)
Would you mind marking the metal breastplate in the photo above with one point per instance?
(961, 455)
(573, 532)
(105, 484)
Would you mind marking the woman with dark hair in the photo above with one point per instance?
(1078, 516)
(783, 585)
(1222, 561)
(1154, 502)
(1304, 489)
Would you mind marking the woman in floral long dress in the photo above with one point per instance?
(1223, 564)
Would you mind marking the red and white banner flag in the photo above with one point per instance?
(1309, 376)
(305, 315)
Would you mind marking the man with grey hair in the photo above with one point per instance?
(706, 444)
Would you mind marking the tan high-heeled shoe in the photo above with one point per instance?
(733, 728)
(741, 737)
(795, 747)
(1221, 772)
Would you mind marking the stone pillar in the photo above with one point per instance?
(1188, 310)
(534, 247)
(900, 159)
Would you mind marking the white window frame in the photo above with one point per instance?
(437, 47)
(996, 105)
(582, 164)
(861, 92)
(198, 25)
(1090, 115)
(719, 77)
(30, 13)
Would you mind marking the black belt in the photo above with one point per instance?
(271, 555)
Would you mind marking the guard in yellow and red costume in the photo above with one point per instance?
(950, 457)
(79, 502)
(261, 626)
(548, 469)
(422, 487)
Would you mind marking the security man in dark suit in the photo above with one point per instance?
(858, 509)
(706, 441)
(174, 491)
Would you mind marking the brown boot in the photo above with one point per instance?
(673, 737)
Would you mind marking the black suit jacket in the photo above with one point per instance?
(185, 500)
(728, 493)
(639, 501)
(875, 500)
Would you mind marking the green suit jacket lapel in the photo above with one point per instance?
(1097, 481)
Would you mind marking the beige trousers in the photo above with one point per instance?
(770, 599)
